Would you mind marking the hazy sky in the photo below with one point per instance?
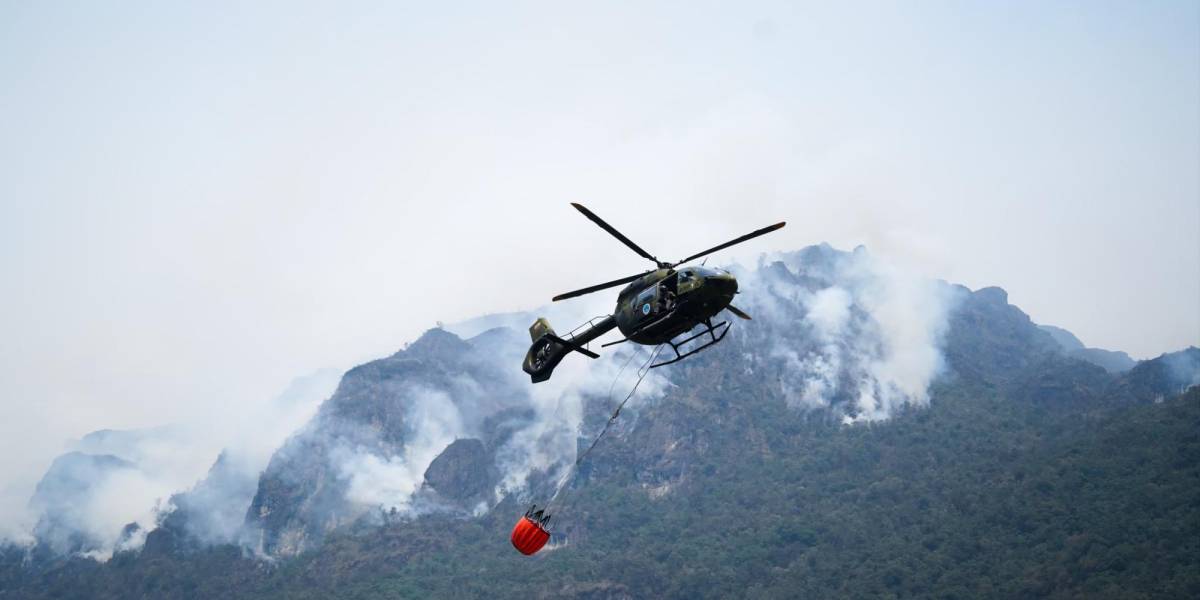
(199, 202)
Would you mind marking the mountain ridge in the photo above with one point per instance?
(765, 410)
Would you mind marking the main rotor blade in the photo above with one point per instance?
(737, 311)
(748, 236)
(612, 230)
(595, 288)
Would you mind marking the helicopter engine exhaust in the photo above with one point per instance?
(548, 349)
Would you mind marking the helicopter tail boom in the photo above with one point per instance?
(548, 349)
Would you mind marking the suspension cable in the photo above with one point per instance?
(556, 502)
(642, 371)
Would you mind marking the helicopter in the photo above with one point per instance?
(660, 306)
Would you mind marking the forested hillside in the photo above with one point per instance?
(979, 496)
(1021, 470)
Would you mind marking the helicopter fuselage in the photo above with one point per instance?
(653, 309)
(664, 303)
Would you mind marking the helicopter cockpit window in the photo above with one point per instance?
(688, 280)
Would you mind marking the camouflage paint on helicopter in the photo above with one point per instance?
(655, 307)
(671, 302)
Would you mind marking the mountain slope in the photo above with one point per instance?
(980, 461)
(978, 496)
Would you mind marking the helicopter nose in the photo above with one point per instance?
(724, 282)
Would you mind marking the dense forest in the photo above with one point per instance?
(977, 496)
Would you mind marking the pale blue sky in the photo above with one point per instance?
(200, 201)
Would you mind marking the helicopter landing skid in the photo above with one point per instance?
(716, 332)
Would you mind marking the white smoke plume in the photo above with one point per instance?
(216, 506)
(852, 332)
(551, 444)
(544, 422)
(843, 332)
(1183, 367)
(113, 486)
(86, 502)
(434, 422)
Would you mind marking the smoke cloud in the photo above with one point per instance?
(842, 332)
(114, 486)
(434, 421)
(852, 332)
(532, 431)
(1183, 367)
